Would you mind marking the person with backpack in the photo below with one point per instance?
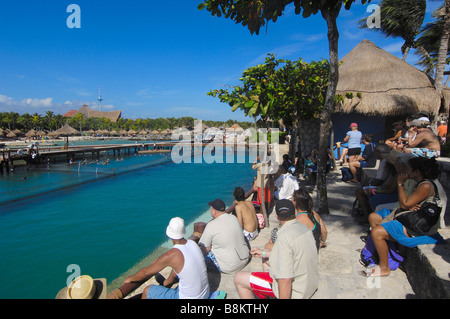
(387, 225)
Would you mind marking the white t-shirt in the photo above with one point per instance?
(287, 185)
(194, 276)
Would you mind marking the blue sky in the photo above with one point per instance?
(150, 59)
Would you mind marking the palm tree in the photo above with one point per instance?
(444, 14)
(48, 119)
(79, 117)
(37, 121)
(428, 46)
(433, 46)
(400, 18)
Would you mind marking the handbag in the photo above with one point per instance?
(420, 221)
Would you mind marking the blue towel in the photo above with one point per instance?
(219, 294)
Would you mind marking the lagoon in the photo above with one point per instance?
(105, 224)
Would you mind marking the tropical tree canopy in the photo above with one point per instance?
(400, 18)
(279, 89)
(428, 43)
(51, 122)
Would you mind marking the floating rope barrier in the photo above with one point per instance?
(79, 174)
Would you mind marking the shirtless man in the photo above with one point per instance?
(425, 143)
(246, 214)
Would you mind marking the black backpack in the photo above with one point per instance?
(346, 174)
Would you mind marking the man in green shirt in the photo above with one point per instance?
(293, 260)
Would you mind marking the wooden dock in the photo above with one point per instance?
(66, 154)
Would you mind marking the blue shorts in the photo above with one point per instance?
(161, 292)
(211, 262)
(425, 152)
(395, 230)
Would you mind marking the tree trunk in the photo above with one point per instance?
(325, 115)
(442, 56)
(443, 48)
(405, 54)
(263, 200)
(333, 160)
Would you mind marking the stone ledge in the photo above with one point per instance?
(426, 267)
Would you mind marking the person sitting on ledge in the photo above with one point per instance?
(425, 144)
(367, 159)
(384, 223)
(187, 262)
(286, 184)
(305, 214)
(223, 242)
(294, 271)
(246, 214)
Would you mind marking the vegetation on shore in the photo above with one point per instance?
(51, 122)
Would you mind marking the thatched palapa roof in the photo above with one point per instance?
(31, 133)
(386, 84)
(237, 128)
(113, 116)
(66, 130)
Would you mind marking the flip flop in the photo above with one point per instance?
(368, 273)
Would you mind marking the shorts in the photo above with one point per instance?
(267, 195)
(395, 229)
(161, 292)
(354, 151)
(261, 285)
(363, 164)
(250, 236)
(425, 152)
(211, 262)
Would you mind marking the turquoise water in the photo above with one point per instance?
(103, 223)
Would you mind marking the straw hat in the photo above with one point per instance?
(84, 287)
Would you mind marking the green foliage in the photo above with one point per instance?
(51, 121)
(400, 18)
(256, 13)
(279, 89)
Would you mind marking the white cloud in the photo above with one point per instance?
(40, 106)
(38, 103)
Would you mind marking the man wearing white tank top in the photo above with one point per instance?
(187, 262)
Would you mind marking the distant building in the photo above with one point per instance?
(113, 116)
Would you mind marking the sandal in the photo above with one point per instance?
(368, 273)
